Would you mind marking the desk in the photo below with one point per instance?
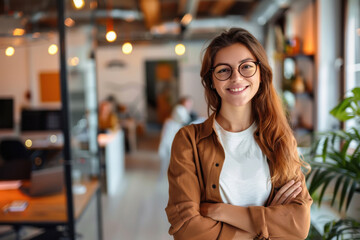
(46, 211)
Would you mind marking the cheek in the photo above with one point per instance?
(216, 85)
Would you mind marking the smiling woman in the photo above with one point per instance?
(238, 175)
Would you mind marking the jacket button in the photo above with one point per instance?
(216, 164)
(213, 186)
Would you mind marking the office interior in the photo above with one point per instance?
(57, 67)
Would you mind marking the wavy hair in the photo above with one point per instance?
(273, 132)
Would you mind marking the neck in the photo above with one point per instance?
(235, 119)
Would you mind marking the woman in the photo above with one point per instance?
(238, 175)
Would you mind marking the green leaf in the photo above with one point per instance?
(319, 180)
(340, 110)
(356, 92)
(350, 194)
(312, 189)
(348, 108)
(336, 188)
(327, 181)
(343, 192)
(324, 151)
(345, 148)
(356, 133)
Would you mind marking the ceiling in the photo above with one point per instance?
(139, 20)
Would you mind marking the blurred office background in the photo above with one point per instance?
(136, 58)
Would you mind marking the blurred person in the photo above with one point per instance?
(238, 175)
(107, 117)
(180, 116)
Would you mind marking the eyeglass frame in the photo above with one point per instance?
(238, 69)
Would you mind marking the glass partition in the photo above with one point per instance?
(83, 125)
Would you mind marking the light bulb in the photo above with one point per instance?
(52, 50)
(69, 22)
(111, 36)
(9, 51)
(79, 3)
(127, 48)
(179, 49)
(28, 143)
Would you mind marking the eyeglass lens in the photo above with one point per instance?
(224, 72)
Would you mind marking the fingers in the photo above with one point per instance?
(294, 195)
(287, 192)
(282, 190)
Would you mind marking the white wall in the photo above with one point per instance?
(128, 83)
(14, 80)
(20, 72)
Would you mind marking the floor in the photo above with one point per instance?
(136, 211)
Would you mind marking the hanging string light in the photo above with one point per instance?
(9, 51)
(110, 33)
(180, 49)
(52, 50)
(111, 36)
(79, 4)
(127, 48)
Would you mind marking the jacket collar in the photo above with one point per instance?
(207, 127)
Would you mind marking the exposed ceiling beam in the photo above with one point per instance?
(221, 7)
(152, 12)
(86, 14)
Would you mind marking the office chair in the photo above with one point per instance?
(16, 162)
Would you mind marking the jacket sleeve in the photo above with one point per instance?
(289, 221)
(183, 209)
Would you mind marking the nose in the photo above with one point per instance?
(236, 76)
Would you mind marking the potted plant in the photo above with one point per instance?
(335, 158)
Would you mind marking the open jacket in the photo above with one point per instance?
(196, 160)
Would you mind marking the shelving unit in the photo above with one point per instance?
(298, 86)
(295, 71)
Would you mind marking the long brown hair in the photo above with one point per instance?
(274, 134)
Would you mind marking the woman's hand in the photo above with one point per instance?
(287, 192)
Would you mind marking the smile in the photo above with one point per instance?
(237, 89)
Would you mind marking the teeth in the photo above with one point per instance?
(237, 89)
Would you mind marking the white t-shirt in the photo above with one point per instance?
(245, 175)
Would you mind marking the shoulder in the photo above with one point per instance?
(195, 132)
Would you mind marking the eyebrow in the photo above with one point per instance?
(240, 62)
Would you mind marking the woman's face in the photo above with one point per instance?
(237, 90)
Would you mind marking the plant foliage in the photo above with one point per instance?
(342, 229)
(336, 158)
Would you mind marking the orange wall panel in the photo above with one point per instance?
(49, 87)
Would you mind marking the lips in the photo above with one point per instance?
(238, 89)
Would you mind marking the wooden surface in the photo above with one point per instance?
(47, 209)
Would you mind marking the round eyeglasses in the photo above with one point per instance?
(224, 71)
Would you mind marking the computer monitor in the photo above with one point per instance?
(6, 113)
(40, 120)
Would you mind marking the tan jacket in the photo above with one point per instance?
(196, 161)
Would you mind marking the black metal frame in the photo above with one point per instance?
(66, 131)
(70, 223)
